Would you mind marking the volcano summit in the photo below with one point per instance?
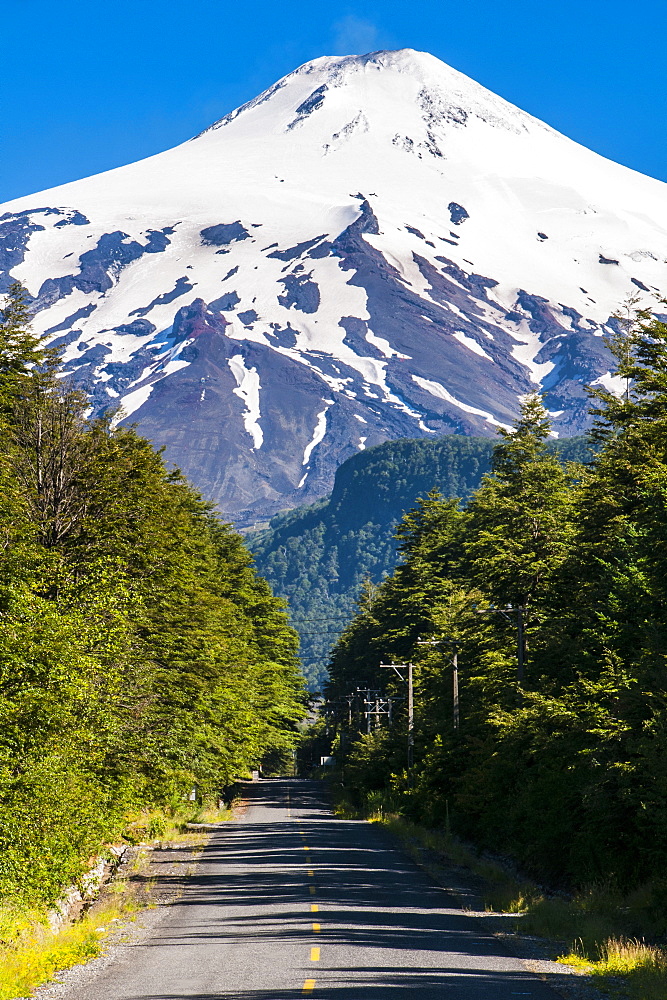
(375, 247)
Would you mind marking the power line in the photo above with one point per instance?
(332, 618)
(320, 631)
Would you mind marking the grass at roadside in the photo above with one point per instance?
(31, 953)
(170, 826)
(598, 930)
(626, 967)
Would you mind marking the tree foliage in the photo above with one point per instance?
(140, 652)
(567, 770)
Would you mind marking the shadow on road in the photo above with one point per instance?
(371, 897)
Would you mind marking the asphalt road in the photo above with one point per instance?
(289, 902)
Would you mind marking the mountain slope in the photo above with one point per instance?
(318, 556)
(375, 247)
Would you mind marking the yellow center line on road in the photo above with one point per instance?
(314, 954)
(316, 928)
(306, 848)
(314, 908)
(312, 890)
(308, 986)
(311, 874)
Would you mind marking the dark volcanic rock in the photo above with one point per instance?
(68, 338)
(355, 337)
(282, 336)
(311, 103)
(248, 317)
(296, 251)
(209, 440)
(224, 233)
(138, 328)
(15, 231)
(301, 292)
(457, 213)
(182, 286)
(75, 218)
(226, 302)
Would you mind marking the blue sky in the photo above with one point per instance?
(88, 85)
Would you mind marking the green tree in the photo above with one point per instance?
(23, 355)
(521, 521)
(139, 650)
(566, 771)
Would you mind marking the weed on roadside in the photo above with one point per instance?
(600, 930)
(170, 826)
(624, 967)
(31, 953)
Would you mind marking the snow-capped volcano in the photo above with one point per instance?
(374, 247)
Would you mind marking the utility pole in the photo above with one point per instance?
(455, 689)
(456, 715)
(521, 645)
(371, 703)
(520, 633)
(411, 720)
(397, 667)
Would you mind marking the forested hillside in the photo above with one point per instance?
(140, 653)
(318, 557)
(565, 767)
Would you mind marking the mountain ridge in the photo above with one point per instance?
(375, 247)
(318, 557)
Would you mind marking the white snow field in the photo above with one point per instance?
(375, 238)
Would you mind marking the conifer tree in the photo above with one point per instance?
(23, 354)
(520, 519)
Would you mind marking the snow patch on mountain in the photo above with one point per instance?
(612, 383)
(441, 393)
(471, 344)
(248, 389)
(318, 435)
(132, 401)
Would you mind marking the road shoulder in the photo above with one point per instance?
(152, 877)
(537, 954)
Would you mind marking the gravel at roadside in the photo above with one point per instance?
(156, 877)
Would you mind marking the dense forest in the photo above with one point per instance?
(319, 557)
(140, 652)
(566, 767)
